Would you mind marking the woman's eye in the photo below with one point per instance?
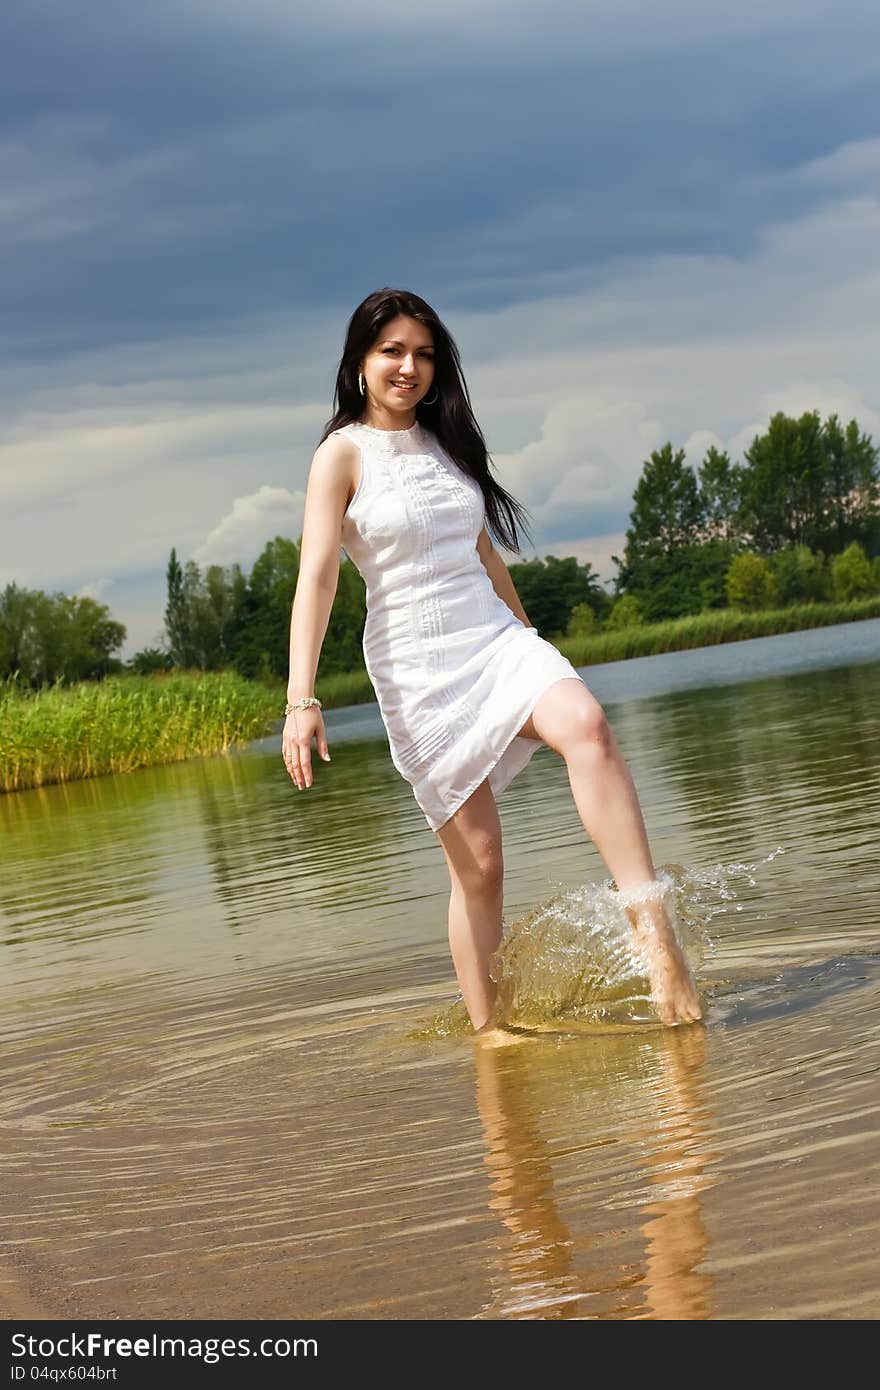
(429, 356)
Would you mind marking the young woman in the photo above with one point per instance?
(467, 689)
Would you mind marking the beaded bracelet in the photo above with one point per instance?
(305, 703)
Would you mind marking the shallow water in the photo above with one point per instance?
(228, 1087)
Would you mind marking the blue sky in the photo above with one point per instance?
(640, 221)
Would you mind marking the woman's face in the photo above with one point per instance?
(399, 367)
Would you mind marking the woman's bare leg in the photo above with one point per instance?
(571, 721)
(471, 841)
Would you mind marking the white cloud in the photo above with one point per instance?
(698, 444)
(95, 445)
(253, 520)
(582, 463)
(852, 169)
(595, 550)
(95, 589)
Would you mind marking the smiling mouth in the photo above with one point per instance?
(397, 386)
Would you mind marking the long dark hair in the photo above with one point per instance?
(450, 416)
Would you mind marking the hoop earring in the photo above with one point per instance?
(425, 401)
(361, 387)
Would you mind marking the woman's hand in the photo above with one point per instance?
(300, 727)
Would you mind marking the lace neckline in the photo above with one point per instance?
(395, 434)
(394, 444)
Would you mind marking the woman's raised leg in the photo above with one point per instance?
(572, 722)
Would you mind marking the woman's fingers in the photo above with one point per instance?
(305, 763)
(291, 763)
(296, 749)
(298, 761)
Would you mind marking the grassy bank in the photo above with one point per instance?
(60, 734)
(126, 722)
(710, 629)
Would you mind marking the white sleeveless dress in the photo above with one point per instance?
(455, 672)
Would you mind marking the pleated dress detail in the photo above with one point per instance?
(456, 673)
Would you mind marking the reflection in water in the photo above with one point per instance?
(534, 1274)
(165, 870)
(538, 1272)
(675, 1286)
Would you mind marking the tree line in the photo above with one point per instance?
(797, 521)
(807, 491)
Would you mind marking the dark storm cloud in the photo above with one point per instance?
(174, 169)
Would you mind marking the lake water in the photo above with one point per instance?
(234, 1084)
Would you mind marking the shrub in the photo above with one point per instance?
(852, 574)
(750, 583)
(627, 612)
(801, 575)
(582, 621)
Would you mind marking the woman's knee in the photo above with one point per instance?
(590, 738)
(581, 728)
(480, 867)
(593, 730)
(475, 860)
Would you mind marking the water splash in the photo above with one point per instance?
(572, 961)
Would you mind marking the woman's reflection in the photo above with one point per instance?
(538, 1273)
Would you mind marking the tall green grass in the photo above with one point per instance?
(60, 733)
(711, 628)
(63, 733)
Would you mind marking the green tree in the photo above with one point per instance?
(204, 614)
(263, 642)
(719, 494)
(750, 582)
(56, 637)
(550, 590)
(625, 613)
(667, 509)
(148, 661)
(801, 576)
(89, 637)
(805, 483)
(177, 635)
(686, 580)
(665, 561)
(783, 484)
(343, 650)
(16, 621)
(582, 621)
(853, 510)
(225, 618)
(201, 648)
(852, 575)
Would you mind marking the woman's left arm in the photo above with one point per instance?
(500, 576)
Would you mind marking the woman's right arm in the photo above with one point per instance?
(329, 488)
(332, 480)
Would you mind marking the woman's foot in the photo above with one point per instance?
(672, 988)
(492, 1036)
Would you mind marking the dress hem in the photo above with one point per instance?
(516, 766)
